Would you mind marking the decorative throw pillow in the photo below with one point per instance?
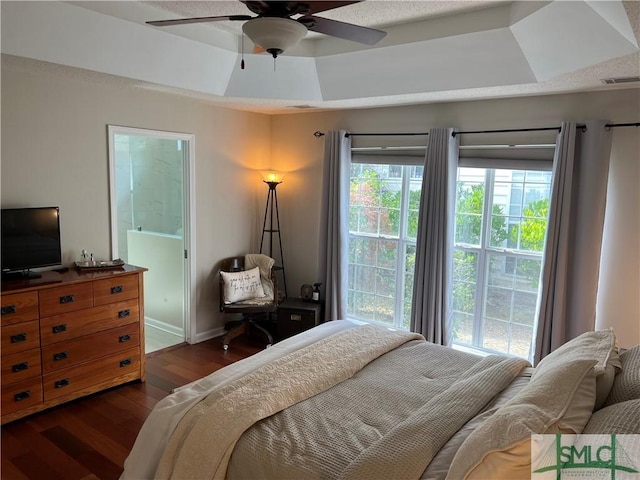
(621, 418)
(598, 345)
(626, 385)
(559, 399)
(243, 285)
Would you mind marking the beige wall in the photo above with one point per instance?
(295, 149)
(619, 291)
(54, 151)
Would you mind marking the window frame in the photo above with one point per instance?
(402, 241)
(484, 250)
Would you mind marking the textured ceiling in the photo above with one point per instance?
(371, 13)
(434, 51)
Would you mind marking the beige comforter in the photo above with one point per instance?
(204, 440)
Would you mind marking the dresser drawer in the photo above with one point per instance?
(115, 289)
(64, 354)
(20, 337)
(83, 376)
(20, 366)
(19, 307)
(84, 322)
(67, 298)
(18, 396)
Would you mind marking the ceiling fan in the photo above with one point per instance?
(274, 30)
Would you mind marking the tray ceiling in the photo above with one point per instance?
(434, 51)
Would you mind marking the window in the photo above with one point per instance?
(501, 222)
(383, 225)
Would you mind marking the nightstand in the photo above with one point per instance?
(296, 315)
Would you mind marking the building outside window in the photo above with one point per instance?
(500, 230)
(383, 225)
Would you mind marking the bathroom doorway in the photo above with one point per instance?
(151, 191)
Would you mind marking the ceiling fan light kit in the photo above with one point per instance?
(274, 34)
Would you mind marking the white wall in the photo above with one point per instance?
(296, 150)
(619, 290)
(54, 152)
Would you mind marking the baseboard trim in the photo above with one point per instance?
(209, 334)
(165, 327)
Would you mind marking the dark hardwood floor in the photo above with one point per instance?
(90, 438)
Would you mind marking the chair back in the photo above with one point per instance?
(232, 264)
(236, 264)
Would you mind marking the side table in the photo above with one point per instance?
(296, 315)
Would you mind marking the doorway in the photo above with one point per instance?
(151, 220)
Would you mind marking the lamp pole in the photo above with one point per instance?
(272, 203)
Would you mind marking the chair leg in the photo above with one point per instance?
(231, 334)
(264, 331)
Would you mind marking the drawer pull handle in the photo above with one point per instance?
(19, 367)
(124, 338)
(9, 309)
(67, 299)
(125, 363)
(61, 383)
(20, 337)
(124, 313)
(117, 289)
(18, 397)
(59, 328)
(296, 318)
(60, 356)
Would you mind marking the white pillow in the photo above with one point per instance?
(598, 345)
(243, 285)
(626, 385)
(559, 399)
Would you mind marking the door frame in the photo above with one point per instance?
(189, 213)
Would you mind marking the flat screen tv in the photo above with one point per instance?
(30, 239)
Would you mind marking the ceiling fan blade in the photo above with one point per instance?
(321, 6)
(348, 31)
(270, 8)
(184, 21)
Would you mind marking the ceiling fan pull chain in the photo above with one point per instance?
(274, 63)
(242, 51)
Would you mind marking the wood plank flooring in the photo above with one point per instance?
(90, 438)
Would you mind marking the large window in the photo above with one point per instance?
(501, 222)
(383, 224)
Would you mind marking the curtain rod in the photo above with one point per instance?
(319, 134)
(461, 147)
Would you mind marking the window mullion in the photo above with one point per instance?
(481, 279)
(402, 245)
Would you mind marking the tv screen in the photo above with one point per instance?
(30, 238)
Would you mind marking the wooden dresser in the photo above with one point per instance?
(67, 335)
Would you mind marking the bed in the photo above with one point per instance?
(347, 400)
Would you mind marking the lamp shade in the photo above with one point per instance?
(271, 176)
(274, 34)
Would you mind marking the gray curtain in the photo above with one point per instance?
(574, 235)
(432, 286)
(334, 223)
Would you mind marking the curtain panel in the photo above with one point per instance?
(431, 312)
(334, 223)
(574, 235)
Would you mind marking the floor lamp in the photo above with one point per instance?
(273, 179)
